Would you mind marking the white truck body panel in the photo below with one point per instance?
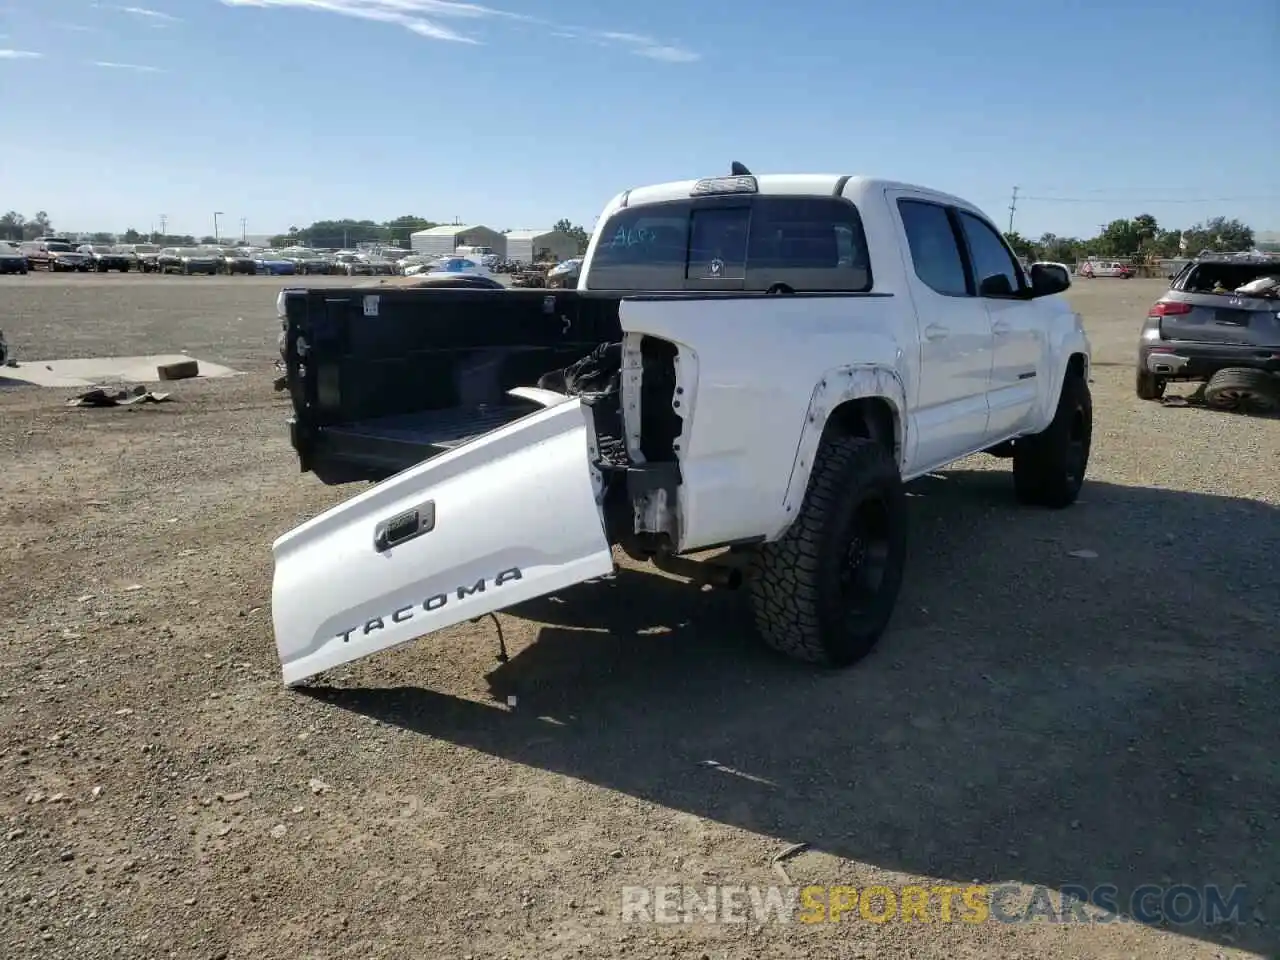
(508, 517)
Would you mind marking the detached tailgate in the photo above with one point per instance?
(503, 519)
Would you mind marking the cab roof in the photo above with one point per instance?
(787, 184)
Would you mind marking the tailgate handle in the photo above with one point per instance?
(404, 527)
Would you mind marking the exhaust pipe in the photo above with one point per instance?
(699, 571)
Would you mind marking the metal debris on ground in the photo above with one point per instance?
(99, 397)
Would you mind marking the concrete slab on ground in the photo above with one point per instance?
(97, 371)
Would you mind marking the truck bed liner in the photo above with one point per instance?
(384, 446)
(438, 428)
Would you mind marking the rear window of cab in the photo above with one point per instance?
(805, 244)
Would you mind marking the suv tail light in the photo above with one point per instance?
(1168, 308)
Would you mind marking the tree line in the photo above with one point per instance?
(1140, 237)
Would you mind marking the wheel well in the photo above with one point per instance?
(1077, 365)
(872, 418)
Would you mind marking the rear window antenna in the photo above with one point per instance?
(737, 169)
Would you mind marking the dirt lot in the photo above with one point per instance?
(1033, 717)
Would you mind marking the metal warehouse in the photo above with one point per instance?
(527, 246)
(446, 239)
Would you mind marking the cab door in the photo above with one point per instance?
(955, 340)
(1018, 325)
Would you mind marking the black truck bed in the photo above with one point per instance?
(379, 385)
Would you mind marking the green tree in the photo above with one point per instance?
(131, 236)
(1120, 238)
(102, 238)
(11, 225)
(1219, 235)
(1163, 244)
(575, 231)
(1058, 249)
(399, 230)
(37, 226)
(1021, 246)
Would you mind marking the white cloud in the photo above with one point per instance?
(150, 14)
(20, 55)
(643, 46)
(424, 17)
(135, 67)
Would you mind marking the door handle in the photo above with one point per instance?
(404, 527)
(935, 332)
(1000, 328)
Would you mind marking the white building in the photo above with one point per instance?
(439, 241)
(527, 246)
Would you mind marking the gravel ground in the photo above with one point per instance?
(1036, 716)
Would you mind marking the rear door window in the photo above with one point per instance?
(807, 244)
(935, 253)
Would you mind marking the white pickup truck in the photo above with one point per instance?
(755, 363)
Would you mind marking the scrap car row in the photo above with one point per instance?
(62, 254)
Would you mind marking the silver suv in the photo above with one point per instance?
(1219, 324)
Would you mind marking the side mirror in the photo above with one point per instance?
(1048, 279)
(996, 285)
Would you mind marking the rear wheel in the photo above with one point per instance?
(1049, 467)
(1242, 389)
(825, 591)
(1150, 387)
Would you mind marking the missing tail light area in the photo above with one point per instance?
(651, 402)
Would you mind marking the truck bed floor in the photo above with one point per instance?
(436, 428)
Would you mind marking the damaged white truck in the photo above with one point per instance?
(756, 363)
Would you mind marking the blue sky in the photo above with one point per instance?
(518, 113)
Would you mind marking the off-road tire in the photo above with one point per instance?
(1049, 467)
(1150, 386)
(801, 609)
(1243, 389)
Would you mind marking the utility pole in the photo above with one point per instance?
(244, 230)
(164, 220)
(1013, 206)
(216, 215)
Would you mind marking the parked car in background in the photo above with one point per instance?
(12, 260)
(270, 263)
(187, 260)
(353, 265)
(307, 261)
(1219, 324)
(565, 274)
(456, 265)
(383, 268)
(105, 257)
(55, 255)
(1105, 268)
(143, 254)
(233, 262)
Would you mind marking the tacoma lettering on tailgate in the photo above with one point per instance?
(431, 604)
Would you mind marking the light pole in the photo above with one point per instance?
(244, 228)
(216, 215)
(164, 220)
